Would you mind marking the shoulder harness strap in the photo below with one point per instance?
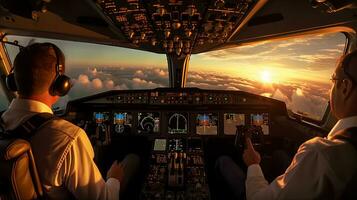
(28, 128)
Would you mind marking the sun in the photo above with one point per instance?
(266, 77)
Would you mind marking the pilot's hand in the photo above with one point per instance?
(250, 156)
(116, 171)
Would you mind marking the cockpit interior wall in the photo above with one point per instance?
(177, 129)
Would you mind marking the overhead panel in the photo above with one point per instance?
(174, 26)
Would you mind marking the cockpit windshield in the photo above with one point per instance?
(97, 68)
(296, 71)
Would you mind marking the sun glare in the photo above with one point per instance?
(266, 77)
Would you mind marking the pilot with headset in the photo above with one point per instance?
(322, 168)
(62, 151)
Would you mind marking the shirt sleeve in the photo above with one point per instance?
(81, 175)
(305, 178)
(256, 183)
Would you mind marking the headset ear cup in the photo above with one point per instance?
(11, 83)
(60, 86)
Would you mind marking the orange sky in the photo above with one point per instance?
(311, 57)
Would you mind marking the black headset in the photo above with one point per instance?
(60, 85)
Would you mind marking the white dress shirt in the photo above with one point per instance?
(320, 169)
(63, 155)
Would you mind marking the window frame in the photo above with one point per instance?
(6, 67)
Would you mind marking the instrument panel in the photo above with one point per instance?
(175, 121)
(188, 111)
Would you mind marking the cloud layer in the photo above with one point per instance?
(94, 80)
(309, 99)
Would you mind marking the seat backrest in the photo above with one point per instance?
(349, 135)
(18, 173)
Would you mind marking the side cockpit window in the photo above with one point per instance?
(4, 103)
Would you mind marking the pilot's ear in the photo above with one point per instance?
(347, 88)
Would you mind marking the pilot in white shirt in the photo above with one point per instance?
(320, 170)
(62, 150)
(322, 167)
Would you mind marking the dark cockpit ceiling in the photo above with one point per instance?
(174, 26)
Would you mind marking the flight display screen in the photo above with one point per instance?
(122, 122)
(160, 145)
(262, 120)
(206, 124)
(149, 122)
(231, 121)
(177, 123)
(100, 117)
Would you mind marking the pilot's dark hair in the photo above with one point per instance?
(35, 68)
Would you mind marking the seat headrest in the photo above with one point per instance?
(12, 148)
